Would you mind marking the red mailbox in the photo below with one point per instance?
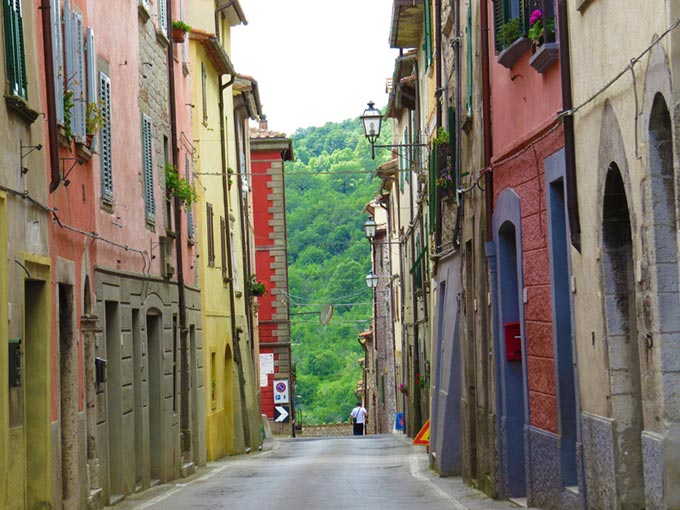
(513, 341)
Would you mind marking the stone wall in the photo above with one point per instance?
(327, 430)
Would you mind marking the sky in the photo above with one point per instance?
(315, 61)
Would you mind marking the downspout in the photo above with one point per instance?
(569, 142)
(486, 118)
(52, 127)
(185, 413)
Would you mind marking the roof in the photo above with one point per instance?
(215, 51)
(407, 23)
(232, 11)
(263, 139)
(404, 82)
(248, 88)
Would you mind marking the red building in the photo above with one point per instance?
(269, 151)
(537, 393)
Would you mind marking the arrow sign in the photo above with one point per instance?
(280, 414)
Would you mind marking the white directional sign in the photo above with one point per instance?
(281, 391)
(280, 414)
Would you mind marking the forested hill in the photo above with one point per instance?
(327, 187)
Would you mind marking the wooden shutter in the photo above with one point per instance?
(223, 245)
(523, 17)
(408, 157)
(91, 76)
(147, 162)
(498, 20)
(189, 209)
(78, 80)
(68, 53)
(433, 188)
(469, 59)
(58, 58)
(14, 47)
(427, 32)
(211, 238)
(105, 137)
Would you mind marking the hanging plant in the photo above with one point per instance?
(179, 187)
(442, 137)
(255, 286)
(179, 30)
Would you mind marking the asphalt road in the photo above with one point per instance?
(370, 472)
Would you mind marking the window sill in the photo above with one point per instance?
(162, 38)
(19, 106)
(546, 55)
(510, 55)
(83, 151)
(143, 11)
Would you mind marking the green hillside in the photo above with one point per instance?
(327, 187)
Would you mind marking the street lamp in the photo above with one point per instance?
(372, 280)
(369, 227)
(372, 120)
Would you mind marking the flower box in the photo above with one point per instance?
(546, 55)
(510, 55)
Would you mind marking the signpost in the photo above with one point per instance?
(281, 391)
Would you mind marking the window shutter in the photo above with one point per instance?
(147, 163)
(498, 20)
(407, 157)
(68, 46)
(78, 81)
(469, 59)
(185, 44)
(223, 245)
(20, 51)
(523, 17)
(190, 209)
(58, 58)
(91, 77)
(162, 16)
(211, 239)
(433, 188)
(14, 47)
(427, 46)
(105, 137)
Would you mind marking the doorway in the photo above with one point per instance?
(154, 338)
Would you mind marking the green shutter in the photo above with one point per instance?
(14, 47)
(147, 163)
(469, 59)
(433, 187)
(408, 158)
(453, 133)
(105, 137)
(498, 20)
(523, 17)
(427, 30)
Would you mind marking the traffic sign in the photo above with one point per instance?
(281, 414)
(281, 391)
(423, 437)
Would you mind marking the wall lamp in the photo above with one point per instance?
(370, 228)
(372, 280)
(372, 121)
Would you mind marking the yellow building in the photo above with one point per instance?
(231, 426)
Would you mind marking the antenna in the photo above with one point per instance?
(326, 314)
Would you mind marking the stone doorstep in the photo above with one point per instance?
(94, 499)
(188, 469)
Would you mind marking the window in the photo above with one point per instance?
(427, 32)
(76, 77)
(509, 22)
(190, 210)
(58, 58)
(147, 164)
(15, 59)
(162, 16)
(468, 29)
(105, 137)
(91, 78)
(211, 238)
(223, 245)
(204, 83)
(234, 259)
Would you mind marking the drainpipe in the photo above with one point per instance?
(52, 127)
(486, 117)
(569, 142)
(185, 414)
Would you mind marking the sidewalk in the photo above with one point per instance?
(452, 488)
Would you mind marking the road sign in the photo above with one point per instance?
(281, 414)
(281, 391)
(423, 437)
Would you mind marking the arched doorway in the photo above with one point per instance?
(621, 334)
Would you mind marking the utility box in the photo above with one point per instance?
(513, 341)
(100, 370)
(14, 362)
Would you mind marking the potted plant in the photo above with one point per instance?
(542, 35)
(511, 43)
(176, 186)
(539, 27)
(69, 104)
(255, 286)
(93, 122)
(179, 30)
(442, 137)
(230, 181)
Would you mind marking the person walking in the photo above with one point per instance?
(359, 417)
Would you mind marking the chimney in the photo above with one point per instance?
(263, 122)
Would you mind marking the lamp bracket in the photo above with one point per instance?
(23, 152)
(65, 173)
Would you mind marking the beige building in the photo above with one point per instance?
(626, 288)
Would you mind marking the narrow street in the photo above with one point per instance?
(372, 472)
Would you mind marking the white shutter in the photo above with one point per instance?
(68, 45)
(162, 16)
(58, 58)
(78, 79)
(105, 137)
(147, 162)
(91, 75)
(186, 41)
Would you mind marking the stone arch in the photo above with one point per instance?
(153, 328)
(510, 369)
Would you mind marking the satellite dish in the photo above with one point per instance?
(326, 314)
